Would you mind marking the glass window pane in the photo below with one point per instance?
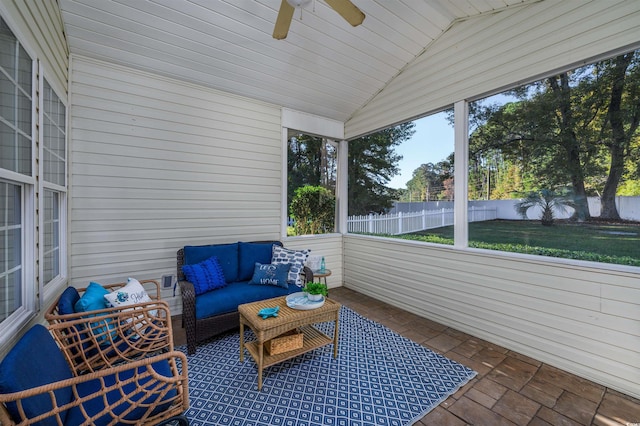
(7, 49)
(51, 236)
(54, 138)
(16, 103)
(7, 98)
(10, 248)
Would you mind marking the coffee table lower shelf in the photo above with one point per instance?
(313, 339)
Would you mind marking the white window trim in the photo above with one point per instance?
(48, 291)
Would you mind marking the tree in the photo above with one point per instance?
(621, 122)
(313, 208)
(569, 129)
(372, 163)
(310, 161)
(548, 201)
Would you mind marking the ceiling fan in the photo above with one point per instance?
(345, 8)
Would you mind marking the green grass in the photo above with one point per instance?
(593, 241)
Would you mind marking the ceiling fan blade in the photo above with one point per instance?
(285, 14)
(348, 11)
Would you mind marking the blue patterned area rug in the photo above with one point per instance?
(379, 378)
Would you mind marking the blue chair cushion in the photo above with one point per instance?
(271, 275)
(227, 299)
(117, 405)
(227, 255)
(205, 276)
(68, 300)
(250, 253)
(35, 361)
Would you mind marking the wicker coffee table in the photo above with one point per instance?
(287, 319)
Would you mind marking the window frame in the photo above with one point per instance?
(49, 289)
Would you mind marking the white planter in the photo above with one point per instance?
(314, 297)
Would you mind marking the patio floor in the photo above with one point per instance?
(510, 388)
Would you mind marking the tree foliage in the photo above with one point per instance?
(372, 163)
(548, 202)
(576, 130)
(313, 209)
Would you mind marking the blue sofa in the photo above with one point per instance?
(214, 312)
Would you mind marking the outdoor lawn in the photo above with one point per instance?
(599, 242)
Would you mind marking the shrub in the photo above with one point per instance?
(313, 208)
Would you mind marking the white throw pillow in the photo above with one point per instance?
(130, 294)
(296, 258)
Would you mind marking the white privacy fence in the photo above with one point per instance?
(402, 223)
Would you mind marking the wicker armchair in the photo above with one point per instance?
(107, 337)
(38, 387)
(198, 329)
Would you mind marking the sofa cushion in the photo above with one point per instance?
(227, 299)
(296, 258)
(68, 300)
(271, 275)
(250, 253)
(205, 276)
(227, 255)
(35, 361)
(117, 405)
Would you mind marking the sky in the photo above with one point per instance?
(432, 142)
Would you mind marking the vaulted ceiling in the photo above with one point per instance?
(324, 66)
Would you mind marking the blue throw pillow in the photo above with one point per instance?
(271, 274)
(250, 253)
(205, 276)
(93, 299)
(227, 255)
(67, 301)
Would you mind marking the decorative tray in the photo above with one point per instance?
(300, 301)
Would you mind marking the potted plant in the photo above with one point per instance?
(315, 290)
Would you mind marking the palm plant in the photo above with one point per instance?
(548, 201)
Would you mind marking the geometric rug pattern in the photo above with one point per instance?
(379, 378)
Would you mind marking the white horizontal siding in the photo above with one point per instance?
(581, 319)
(329, 246)
(493, 51)
(157, 164)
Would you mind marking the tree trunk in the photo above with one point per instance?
(619, 142)
(570, 143)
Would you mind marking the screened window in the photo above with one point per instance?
(311, 185)
(557, 160)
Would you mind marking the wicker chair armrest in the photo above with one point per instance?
(188, 294)
(156, 386)
(99, 339)
(151, 286)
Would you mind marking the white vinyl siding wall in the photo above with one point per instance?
(583, 319)
(158, 164)
(327, 245)
(512, 46)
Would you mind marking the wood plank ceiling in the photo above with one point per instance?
(324, 66)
